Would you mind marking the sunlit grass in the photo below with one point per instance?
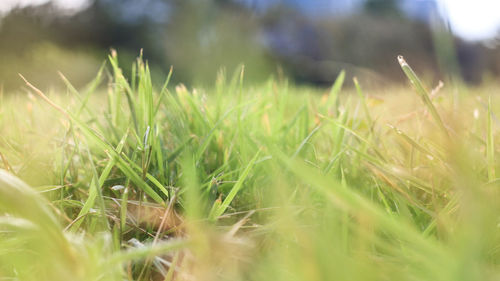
(130, 181)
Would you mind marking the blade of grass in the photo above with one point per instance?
(304, 141)
(164, 91)
(120, 81)
(333, 98)
(363, 101)
(422, 92)
(415, 144)
(96, 186)
(89, 203)
(219, 210)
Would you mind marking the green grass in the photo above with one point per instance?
(125, 180)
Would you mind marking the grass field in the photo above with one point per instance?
(126, 181)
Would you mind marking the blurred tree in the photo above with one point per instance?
(216, 34)
(199, 37)
(382, 7)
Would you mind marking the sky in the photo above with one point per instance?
(65, 5)
(470, 19)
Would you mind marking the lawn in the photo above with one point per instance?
(133, 179)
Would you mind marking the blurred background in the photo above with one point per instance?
(309, 41)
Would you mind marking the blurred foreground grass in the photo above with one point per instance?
(233, 183)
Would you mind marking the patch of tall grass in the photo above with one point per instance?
(130, 181)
